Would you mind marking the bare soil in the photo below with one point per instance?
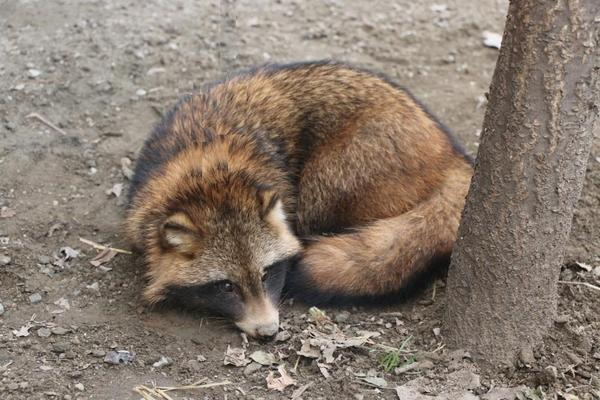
(102, 72)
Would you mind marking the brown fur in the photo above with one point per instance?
(341, 149)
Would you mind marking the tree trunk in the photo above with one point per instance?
(537, 132)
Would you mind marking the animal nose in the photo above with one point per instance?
(268, 330)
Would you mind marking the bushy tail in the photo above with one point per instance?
(386, 257)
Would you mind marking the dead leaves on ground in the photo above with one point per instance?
(279, 383)
(322, 341)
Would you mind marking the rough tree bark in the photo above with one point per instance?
(537, 132)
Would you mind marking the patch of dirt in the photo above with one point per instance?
(99, 74)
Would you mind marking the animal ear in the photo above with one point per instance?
(179, 233)
(267, 200)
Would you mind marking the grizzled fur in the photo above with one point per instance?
(319, 162)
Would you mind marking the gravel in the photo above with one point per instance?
(35, 298)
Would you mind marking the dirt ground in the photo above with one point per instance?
(103, 72)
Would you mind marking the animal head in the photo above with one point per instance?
(215, 240)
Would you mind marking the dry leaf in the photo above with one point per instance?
(263, 358)
(375, 381)
(103, 257)
(22, 331)
(500, 393)
(408, 393)
(308, 351)
(584, 266)
(63, 303)
(67, 253)
(328, 353)
(323, 368)
(282, 336)
(235, 356)
(280, 383)
(317, 315)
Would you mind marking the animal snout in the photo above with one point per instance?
(267, 330)
(260, 321)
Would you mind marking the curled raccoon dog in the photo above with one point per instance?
(321, 177)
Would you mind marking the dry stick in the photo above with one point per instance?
(163, 394)
(150, 393)
(589, 285)
(99, 246)
(46, 122)
(195, 386)
(142, 390)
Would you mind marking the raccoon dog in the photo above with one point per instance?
(322, 173)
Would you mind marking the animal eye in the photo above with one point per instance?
(226, 286)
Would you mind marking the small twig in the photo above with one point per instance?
(159, 392)
(589, 285)
(99, 246)
(144, 392)
(434, 290)
(46, 122)
(3, 367)
(374, 386)
(440, 347)
(163, 394)
(295, 369)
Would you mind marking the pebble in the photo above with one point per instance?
(70, 355)
(35, 298)
(526, 356)
(551, 373)
(75, 374)
(252, 368)
(194, 365)
(162, 362)
(44, 332)
(1, 309)
(596, 272)
(60, 347)
(574, 358)
(119, 357)
(562, 319)
(425, 364)
(5, 260)
(80, 387)
(140, 92)
(98, 353)
(44, 259)
(59, 331)
(13, 386)
(33, 73)
(94, 287)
